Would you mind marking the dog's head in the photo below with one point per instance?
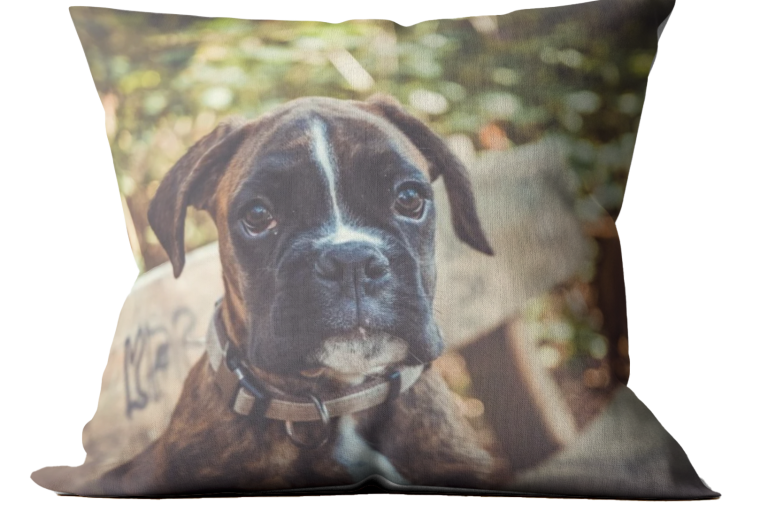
(326, 227)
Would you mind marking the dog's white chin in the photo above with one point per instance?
(354, 356)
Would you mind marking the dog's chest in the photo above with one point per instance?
(360, 460)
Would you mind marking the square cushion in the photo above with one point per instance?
(374, 255)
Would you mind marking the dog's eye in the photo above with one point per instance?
(258, 219)
(410, 202)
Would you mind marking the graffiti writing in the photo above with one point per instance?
(148, 354)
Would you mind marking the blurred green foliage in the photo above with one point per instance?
(578, 73)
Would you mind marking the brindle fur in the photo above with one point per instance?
(209, 449)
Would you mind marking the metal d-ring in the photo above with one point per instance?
(325, 419)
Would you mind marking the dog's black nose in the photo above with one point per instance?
(353, 262)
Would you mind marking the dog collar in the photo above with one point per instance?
(248, 395)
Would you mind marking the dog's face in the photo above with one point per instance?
(326, 229)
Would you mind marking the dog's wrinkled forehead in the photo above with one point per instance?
(329, 153)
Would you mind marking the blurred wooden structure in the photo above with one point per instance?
(532, 416)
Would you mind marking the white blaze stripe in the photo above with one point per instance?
(322, 152)
(323, 156)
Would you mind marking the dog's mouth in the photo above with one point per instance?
(353, 356)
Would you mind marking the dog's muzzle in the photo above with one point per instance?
(354, 275)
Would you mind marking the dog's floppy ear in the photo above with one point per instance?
(442, 162)
(191, 181)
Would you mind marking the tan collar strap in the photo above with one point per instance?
(248, 395)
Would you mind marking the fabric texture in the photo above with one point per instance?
(374, 255)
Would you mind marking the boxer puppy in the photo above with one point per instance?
(326, 224)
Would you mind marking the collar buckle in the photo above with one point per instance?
(235, 380)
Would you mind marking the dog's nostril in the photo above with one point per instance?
(343, 261)
(329, 268)
(376, 268)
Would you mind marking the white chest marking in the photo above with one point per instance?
(360, 460)
(338, 231)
